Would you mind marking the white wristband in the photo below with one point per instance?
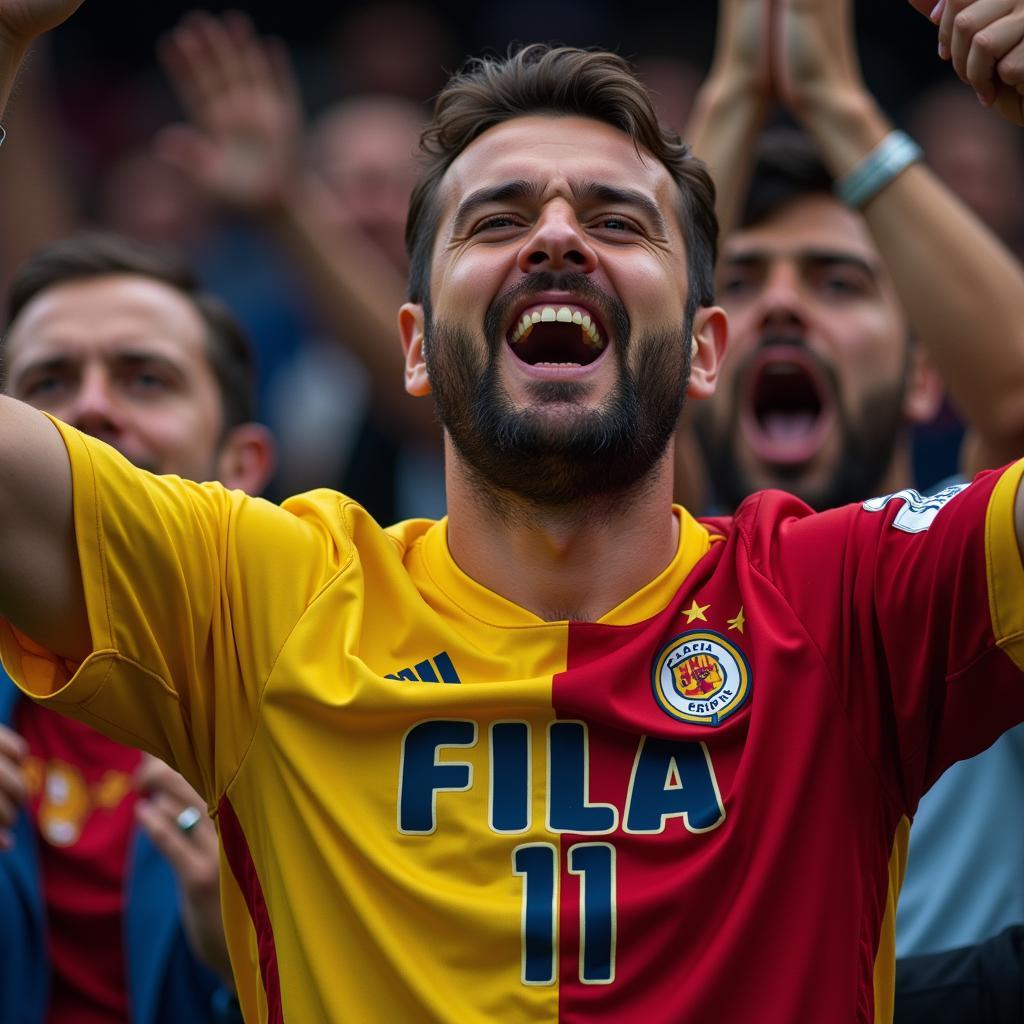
(893, 155)
(3, 135)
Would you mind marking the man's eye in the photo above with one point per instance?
(736, 286)
(616, 224)
(496, 223)
(43, 387)
(147, 382)
(842, 286)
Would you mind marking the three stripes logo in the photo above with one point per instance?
(438, 669)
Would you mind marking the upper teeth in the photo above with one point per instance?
(563, 315)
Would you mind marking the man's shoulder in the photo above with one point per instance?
(757, 511)
(343, 522)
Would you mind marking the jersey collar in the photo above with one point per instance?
(487, 606)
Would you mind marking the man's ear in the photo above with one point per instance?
(924, 392)
(410, 324)
(247, 458)
(709, 340)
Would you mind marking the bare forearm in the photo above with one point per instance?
(723, 129)
(11, 54)
(733, 102)
(359, 293)
(40, 579)
(963, 292)
(36, 199)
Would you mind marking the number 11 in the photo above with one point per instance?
(537, 865)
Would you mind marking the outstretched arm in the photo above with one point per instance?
(961, 289)
(40, 581)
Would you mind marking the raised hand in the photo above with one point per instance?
(164, 798)
(984, 39)
(240, 93)
(742, 43)
(22, 20)
(814, 61)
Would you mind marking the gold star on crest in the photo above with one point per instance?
(738, 621)
(696, 611)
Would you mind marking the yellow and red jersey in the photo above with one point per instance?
(436, 807)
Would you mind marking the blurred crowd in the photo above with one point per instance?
(344, 97)
(280, 169)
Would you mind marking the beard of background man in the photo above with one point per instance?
(555, 459)
(869, 436)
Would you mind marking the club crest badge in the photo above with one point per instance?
(700, 677)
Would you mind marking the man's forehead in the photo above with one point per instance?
(551, 150)
(815, 223)
(105, 316)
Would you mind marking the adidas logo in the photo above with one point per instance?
(438, 669)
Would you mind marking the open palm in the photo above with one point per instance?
(246, 119)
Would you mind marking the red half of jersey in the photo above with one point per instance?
(81, 800)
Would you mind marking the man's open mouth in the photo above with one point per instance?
(557, 336)
(787, 406)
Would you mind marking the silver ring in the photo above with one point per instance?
(188, 819)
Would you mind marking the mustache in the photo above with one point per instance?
(611, 310)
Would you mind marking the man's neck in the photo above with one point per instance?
(560, 564)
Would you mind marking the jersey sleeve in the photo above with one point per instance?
(916, 604)
(191, 591)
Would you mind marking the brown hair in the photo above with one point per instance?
(567, 81)
(96, 254)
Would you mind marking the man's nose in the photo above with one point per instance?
(94, 409)
(782, 301)
(557, 243)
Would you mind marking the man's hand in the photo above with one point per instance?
(814, 60)
(817, 76)
(742, 44)
(164, 795)
(22, 20)
(984, 39)
(239, 90)
(12, 783)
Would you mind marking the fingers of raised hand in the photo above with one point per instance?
(981, 39)
(962, 19)
(203, 61)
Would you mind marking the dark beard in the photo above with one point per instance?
(869, 443)
(552, 459)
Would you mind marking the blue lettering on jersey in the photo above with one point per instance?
(569, 807)
(511, 777)
(422, 775)
(669, 779)
(672, 779)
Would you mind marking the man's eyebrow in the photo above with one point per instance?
(583, 192)
(63, 363)
(505, 192)
(813, 257)
(51, 365)
(602, 192)
(836, 257)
